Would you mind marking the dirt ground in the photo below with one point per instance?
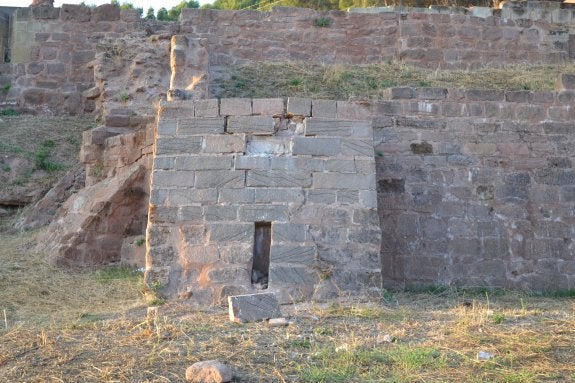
(92, 326)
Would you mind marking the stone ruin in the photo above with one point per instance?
(308, 199)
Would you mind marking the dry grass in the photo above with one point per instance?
(92, 327)
(369, 81)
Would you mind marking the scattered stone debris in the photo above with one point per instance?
(278, 322)
(387, 338)
(484, 355)
(253, 307)
(209, 371)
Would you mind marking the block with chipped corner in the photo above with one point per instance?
(253, 307)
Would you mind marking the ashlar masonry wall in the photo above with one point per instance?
(220, 170)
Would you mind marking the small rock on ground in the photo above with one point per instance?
(209, 371)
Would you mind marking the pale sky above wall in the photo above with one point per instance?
(156, 4)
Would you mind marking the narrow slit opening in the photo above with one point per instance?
(261, 255)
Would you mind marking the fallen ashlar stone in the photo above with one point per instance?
(253, 307)
(278, 322)
(209, 371)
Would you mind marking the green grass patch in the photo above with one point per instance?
(112, 273)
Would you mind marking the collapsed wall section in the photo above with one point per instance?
(226, 175)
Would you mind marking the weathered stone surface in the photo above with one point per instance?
(200, 126)
(299, 106)
(253, 307)
(268, 106)
(236, 107)
(251, 124)
(209, 371)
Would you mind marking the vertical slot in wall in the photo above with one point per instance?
(261, 255)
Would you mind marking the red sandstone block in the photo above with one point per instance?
(353, 110)
(268, 106)
(236, 107)
(324, 108)
(485, 95)
(73, 12)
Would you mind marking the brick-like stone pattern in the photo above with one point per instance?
(475, 188)
(314, 181)
(430, 38)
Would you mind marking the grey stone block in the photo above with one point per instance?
(220, 178)
(292, 275)
(365, 217)
(179, 145)
(293, 254)
(316, 146)
(230, 232)
(343, 181)
(190, 213)
(288, 232)
(171, 178)
(278, 195)
(368, 198)
(323, 108)
(347, 197)
(299, 106)
(183, 197)
(363, 235)
(252, 162)
(206, 108)
(158, 197)
(220, 213)
(268, 146)
(204, 163)
(321, 196)
(263, 213)
(294, 163)
(236, 107)
(225, 143)
(253, 307)
(167, 127)
(201, 126)
(278, 178)
(340, 166)
(236, 196)
(351, 147)
(164, 163)
(328, 127)
(251, 124)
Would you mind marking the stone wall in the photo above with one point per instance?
(476, 188)
(222, 169)
(432, 40)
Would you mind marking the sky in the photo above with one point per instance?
(156, 4)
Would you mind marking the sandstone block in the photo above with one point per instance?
(220, 178)
(106, 12)
(197, 126)
(294, 163)
(206, 108)
(324, 108)
(431, 93)
(353, 110)
(321, 196)
(209, 371)
(278, 178)
(167, 127)
(235, 143)
(263, 213)
(268, 106)
(566, 81)
(316, 146)
(73, 12)
(336, 128)
(267, 145)
(190, 214)
(398, 93)
(164, 163)
(253, 307)
(299, 106)
(485, 95)
(251, 124)
(357, 148)
(236, 107)
(347, 197)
